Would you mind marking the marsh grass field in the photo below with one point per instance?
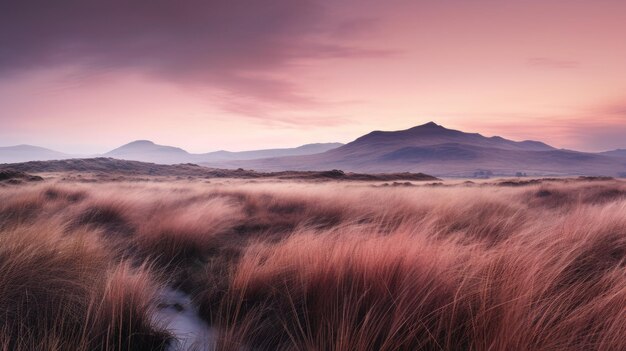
(300, 265)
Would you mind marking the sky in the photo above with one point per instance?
(87, 76)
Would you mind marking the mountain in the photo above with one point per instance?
(23, 153)
(307, 149)
(615, 153)
(439, 151)
(147, 151)
(428, 148)
(434, 134)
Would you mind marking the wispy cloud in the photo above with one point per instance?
(593, 128)
(616, 109)
(236, 46)
(552, 63)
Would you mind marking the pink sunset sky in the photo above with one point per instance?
(87, 76)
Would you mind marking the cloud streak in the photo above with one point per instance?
(551, 63)
(592, 128)
(237, 46)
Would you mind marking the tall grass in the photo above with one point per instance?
(60, 290)
(301, 266)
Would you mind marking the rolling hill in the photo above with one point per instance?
(24, 153)
(111, 169)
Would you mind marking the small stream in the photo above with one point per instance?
(177, 314)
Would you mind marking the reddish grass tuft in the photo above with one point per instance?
(325, 266)
(59, 294)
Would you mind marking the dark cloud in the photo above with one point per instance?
(238, 46)
(355, 27)
(546, 62)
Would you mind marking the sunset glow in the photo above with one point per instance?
(237, 75)
(344, 175)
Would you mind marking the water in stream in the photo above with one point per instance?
(177, 314)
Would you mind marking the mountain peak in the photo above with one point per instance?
(430, 127)
(431, 124)
(140, 142)
(140, 150)
(433, 134)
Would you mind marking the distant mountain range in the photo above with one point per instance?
(436, 150)
(147, 151)
(23, 153)
(618, 153)
(428, 148)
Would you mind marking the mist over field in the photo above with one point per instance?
(236, 264)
